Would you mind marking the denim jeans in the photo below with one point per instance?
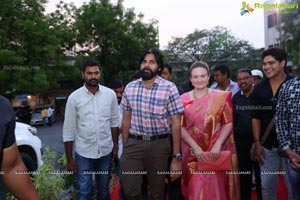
(45, 121)
(118, 173)
(86, 167)
(269, 175)
(295, 180)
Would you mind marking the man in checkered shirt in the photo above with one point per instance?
(150, 105)
(288, 129)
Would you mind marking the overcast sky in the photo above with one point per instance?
(177, 18)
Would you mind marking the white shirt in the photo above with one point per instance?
(89, 119)
(233, 87)
(49, 112)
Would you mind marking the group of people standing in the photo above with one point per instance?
(199, 126)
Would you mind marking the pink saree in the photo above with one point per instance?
(203, 119)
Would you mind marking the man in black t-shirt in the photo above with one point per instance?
(265, 95)
(11, 164)
(243, 137)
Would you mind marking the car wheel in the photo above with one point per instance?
(28, 161)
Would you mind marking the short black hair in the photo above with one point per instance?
(243, 70)
(278, 53)
(223, 69)
(169, 67)
(90, 62)
(114, 84)
(158, 57)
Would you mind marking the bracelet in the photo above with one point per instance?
(256, 141)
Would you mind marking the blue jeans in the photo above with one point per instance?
(295, 180)
(86, 167)
(44, 121)
(118, 173)
(269, 175)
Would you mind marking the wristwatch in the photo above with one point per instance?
(177, 156)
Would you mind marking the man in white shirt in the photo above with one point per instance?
(92, 123)
(49, 115)
(223, 81)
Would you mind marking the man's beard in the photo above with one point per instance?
(92, 82)
(148, 74)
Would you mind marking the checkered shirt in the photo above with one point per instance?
(151, 108)
(287, 119)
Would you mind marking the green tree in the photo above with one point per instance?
(30, 49)
(290, 38)
(112, 35)
(214, 46)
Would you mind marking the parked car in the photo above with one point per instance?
(36, 117)
(22, 113)
(29, 145)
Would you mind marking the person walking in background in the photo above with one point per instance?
(288, 129)
(117, 86)
(207, 127)
(49, 115)
(150, 106)
(258, 76)
(19, 184)
(223, 81)
(92, 123)
(173, 188)
(243, 137)
(265, 96)
(44, 115)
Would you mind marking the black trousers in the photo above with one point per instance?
(246, 166)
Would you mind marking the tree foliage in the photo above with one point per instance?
(291, 32)
(214, 46)
(38, 50)
(113, 35)
(29, 47)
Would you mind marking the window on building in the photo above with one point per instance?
(272, 20)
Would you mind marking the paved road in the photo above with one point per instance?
(52, 136)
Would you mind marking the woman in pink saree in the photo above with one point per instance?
(207, 127)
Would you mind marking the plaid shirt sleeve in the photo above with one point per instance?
(281, 119)
(175, 105)
(124, 105)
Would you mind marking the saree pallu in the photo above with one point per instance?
(203, 120)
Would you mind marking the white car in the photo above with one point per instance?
(29, 145)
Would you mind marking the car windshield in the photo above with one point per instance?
(37, 110)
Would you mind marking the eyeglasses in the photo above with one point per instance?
(243, 79)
